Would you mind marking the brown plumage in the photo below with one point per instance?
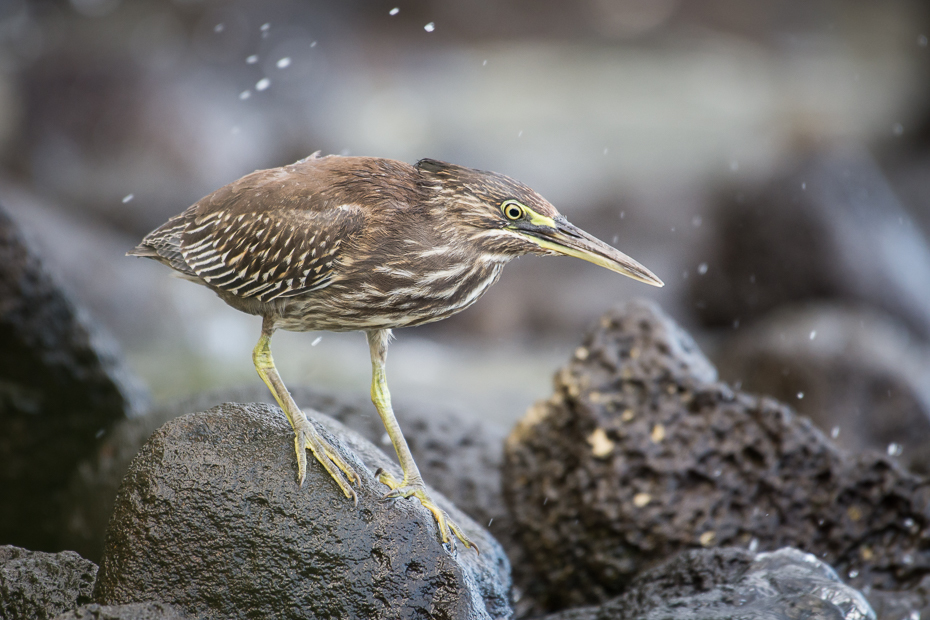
(361, 243)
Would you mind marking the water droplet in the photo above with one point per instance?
(484, 63)
(897, 129)
(895, 449)
(753, 545)
(220, 27)
(908, 523)
(429, 27)
(615, 239)
(605, 150)
(392, 13)
(835, 432)
(702, 268)
(316, 341)
(813, 334)
(622, 214)
(853, 573)
(804, 186)
(545, 500)
(800, 395)
(100, 433)
(245, 94)
(922, 40)
(262, 84)
(284, 62)
(520, 134)
(312, 43)
(128, 197)
(252, 59)
(265, 27)
(492, 518)
(385, 439)
(696, 221)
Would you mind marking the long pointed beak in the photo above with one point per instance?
(568, 239)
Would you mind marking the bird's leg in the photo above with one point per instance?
(305, 436)
(412, 485)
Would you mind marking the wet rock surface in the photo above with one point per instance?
(725, 583)
(858, 374)
(131, 611)
(39, 585)
(641, 454)
(61, 383)
(458, 455)
(830, 229)
(210, 504)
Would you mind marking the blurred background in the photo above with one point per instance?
(769, 160)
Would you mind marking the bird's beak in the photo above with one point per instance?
(566, 238)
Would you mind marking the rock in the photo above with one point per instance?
(211, 505)
(641, 454)
(856, 373)
(131, 611)
(725, 583)
(831, 229)
(61, 385)
(457, 455)
(36, 585)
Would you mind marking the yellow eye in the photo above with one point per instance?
(512, 209)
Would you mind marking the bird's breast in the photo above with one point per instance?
(392, 295)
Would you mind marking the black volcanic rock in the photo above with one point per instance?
(36, 585)
(727, 583)
(61, 385)
(210, 519)
(858, 374)
(130, 611)
(641, 454)
(458, 455)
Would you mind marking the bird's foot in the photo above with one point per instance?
(307, 438)
(447, 527)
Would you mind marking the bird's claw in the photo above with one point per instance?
(447, 527)
(307, 438)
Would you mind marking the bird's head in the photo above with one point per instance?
(510, 218)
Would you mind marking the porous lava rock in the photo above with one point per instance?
(830, 229)
(641, 454)
(61, 385)
(210, 519)
(131, 611)
(458, 455)
(727, 583)
(858, 374)
(36, 585)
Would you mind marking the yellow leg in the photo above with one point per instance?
(305, 436)
(412, 485)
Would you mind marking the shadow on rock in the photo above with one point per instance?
(210, 519)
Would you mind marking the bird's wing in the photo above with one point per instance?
(268, 254)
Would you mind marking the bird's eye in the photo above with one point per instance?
(512, 209)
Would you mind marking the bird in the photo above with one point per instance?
(339, 243)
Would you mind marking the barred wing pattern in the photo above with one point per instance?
(265, 255)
